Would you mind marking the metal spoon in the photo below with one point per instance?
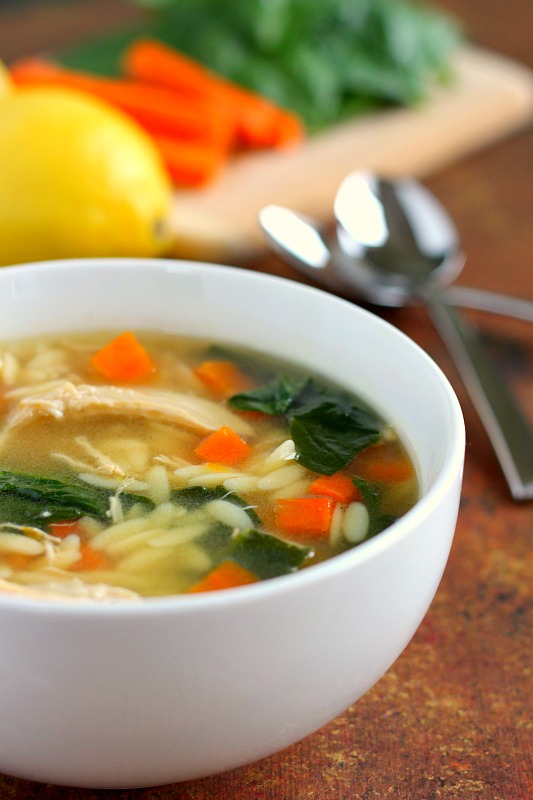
(395, 242)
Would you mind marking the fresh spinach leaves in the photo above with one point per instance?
(276, 397)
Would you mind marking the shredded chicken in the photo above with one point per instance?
(69, 590)
(194, 413)
(30, 531)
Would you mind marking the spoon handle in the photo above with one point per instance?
(509, 431)
(479, 299)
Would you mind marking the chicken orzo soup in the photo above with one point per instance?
(141, 465)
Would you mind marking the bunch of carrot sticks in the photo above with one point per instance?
(197, 119)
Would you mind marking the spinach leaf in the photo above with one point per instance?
(265, 555)
(36, 500)
(31, 499)
(327, 436)
(371, 493)
(327, 426)
(216, 542)
(275, 397)
(196, 496)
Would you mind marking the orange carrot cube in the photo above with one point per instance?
(224, 378)
(223, 446)
(305, 517)
(339, 487)
(124, 359)
(227, 575)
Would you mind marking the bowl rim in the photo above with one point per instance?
(450, 471)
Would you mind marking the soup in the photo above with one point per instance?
(142, 465)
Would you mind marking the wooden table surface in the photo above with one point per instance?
(452, 719)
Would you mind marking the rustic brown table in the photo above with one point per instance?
(452, 719)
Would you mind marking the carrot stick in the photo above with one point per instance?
(227, 575)
(224, 378)
(339, 487)
(305, 516)
(158, 110)
(189, 163)
(150, 60)
(33, 70)
(258, 122)
(123, 359)
(223, 446)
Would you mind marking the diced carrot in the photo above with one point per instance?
(63, 529)
(223, 446)
(305, 516)
(385, 471)
(89, 559)
(227, 575)
(124, 359)
(224, 378)
(339, 487)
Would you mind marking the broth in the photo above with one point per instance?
(145, 465)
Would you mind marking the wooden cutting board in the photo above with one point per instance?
(490, 97)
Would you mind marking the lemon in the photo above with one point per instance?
(77, 179)
(5, 81)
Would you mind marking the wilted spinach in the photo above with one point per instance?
(327, 426)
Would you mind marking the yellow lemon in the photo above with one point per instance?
(77, 179)
(5, 81)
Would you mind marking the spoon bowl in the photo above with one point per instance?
(394, 238)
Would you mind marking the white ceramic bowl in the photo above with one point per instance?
(177, 688)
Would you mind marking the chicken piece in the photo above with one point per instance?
(69, 590)
(193, 413)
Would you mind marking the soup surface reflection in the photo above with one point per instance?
(141, 465)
